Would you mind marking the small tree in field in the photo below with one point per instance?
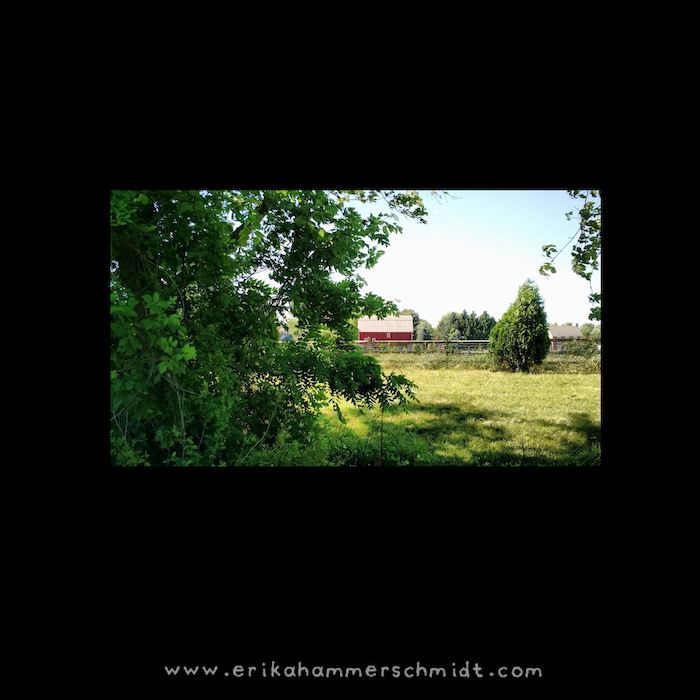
(521, 339)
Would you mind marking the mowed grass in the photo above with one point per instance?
(475, 417)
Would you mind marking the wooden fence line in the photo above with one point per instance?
(407, 345)
(402, 342)
(463, 346)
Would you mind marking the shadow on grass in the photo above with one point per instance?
(444, 434)
(451, 431)
(580, 442)
(577, 445)
(433, 434)
(582, 424)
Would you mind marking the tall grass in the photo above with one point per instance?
(558, 363)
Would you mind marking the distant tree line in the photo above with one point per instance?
(454, 326)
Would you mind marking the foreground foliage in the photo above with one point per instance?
(586, 252)
(197, 375)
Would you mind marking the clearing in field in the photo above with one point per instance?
(480, 418)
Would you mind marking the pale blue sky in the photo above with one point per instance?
(476, 251)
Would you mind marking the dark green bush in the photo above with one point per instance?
(520, 339)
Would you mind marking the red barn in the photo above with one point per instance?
(390, 328)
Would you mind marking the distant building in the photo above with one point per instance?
(559, 333)
(390, 328)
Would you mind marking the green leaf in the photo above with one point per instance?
(243, 236)
(162, 366)
(142, 198)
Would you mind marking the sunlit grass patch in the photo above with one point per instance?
(477, 417)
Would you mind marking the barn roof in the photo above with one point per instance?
(392, 324)
(565, 332)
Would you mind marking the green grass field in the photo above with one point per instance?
(476, 417)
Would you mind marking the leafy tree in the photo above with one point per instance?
(447, 325)
(425, 331)
(591, 331)
(520, 339)
(197, 373)
(586, 252)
